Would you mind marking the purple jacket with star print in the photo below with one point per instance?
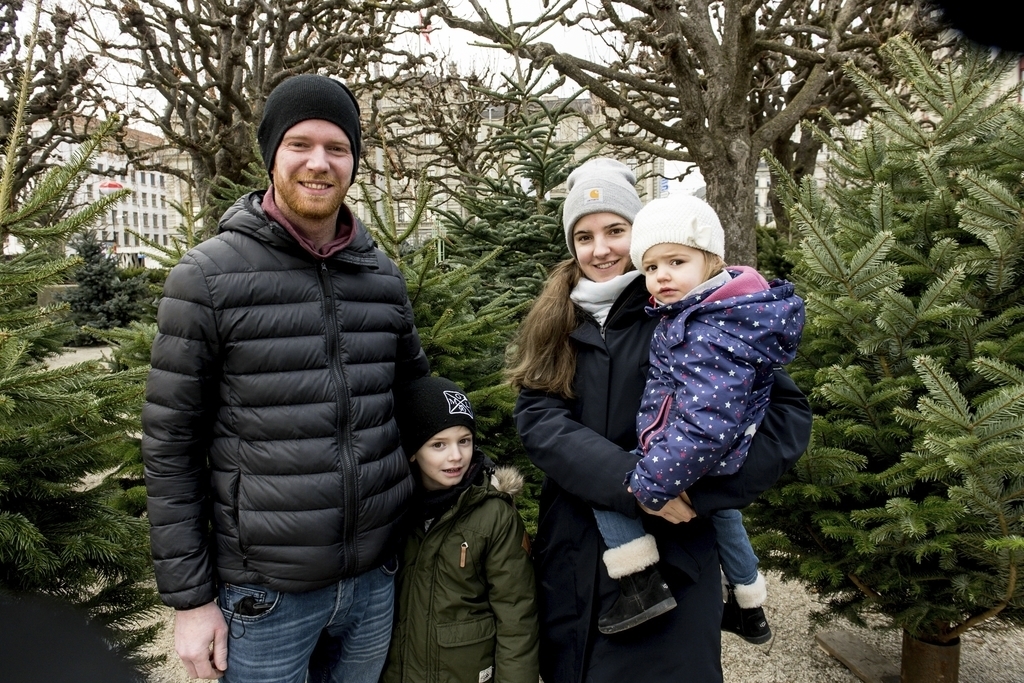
(707, 390)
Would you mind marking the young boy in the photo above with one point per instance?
(722, 330)
(465, 609)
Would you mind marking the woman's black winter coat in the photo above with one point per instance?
(270, 450)
(583, 447)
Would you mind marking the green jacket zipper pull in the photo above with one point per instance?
(462, 555)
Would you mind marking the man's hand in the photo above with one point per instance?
(196, 631)
(676, 510)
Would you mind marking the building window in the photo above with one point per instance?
(152, 179)
(135, 219)
(163, 201)
(145, 235)
(163, 222)
(136, 239)
(142, 178)
(115, 238)
(162, 183)
(88, 190)
(165, 239)
(145, 220)
(133, 177)
(145, 199)
(113, 217)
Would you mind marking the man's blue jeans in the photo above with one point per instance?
(734, 551)
(274, 645)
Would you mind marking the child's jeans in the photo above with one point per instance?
(734, 551)
(617, 529)
(735, 554)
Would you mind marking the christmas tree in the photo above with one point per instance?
(508, 214)
(62, 429)
(102, 299)
(909, 502)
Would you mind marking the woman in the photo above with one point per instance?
(581, 363)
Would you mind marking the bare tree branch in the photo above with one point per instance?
(64, 101)
(713, 81)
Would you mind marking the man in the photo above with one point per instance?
(274, 474)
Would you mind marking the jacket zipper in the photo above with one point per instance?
(656, 426)
(346, 463)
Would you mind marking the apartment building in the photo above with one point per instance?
(147, 212)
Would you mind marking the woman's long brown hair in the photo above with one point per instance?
(543, 356)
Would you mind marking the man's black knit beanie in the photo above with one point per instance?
(427, 406)
(304, 97)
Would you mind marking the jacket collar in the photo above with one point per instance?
(246, 216)
(626, 311)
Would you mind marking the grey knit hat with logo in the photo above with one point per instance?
(305, 97)
(597, 186)
(676, 219)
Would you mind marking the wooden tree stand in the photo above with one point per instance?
(921, 662)
(929, 662)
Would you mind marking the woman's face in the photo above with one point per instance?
(602, 245)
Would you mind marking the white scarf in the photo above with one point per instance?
(596, 298)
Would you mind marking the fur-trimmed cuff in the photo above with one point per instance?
(752, 594)
(635, 556)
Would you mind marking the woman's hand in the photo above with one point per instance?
(675, 511)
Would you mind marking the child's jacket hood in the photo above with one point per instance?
(766, 316)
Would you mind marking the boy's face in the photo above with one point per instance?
(444, 458)
(672, 271)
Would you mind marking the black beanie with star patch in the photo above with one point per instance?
(428, 406)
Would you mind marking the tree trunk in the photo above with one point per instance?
(924, 662)
(730, 191)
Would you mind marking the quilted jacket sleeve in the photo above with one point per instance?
(181, 400)
(699, 419)
(410, 361)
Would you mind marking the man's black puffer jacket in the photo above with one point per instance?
(268, 412)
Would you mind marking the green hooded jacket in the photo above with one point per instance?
(466, 607)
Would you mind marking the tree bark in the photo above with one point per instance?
(730, 189)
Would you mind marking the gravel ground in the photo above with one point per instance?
(793, 656)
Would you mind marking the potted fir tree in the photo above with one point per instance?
(909, 502)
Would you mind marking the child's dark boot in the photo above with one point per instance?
(642, 596)
(743, 613)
